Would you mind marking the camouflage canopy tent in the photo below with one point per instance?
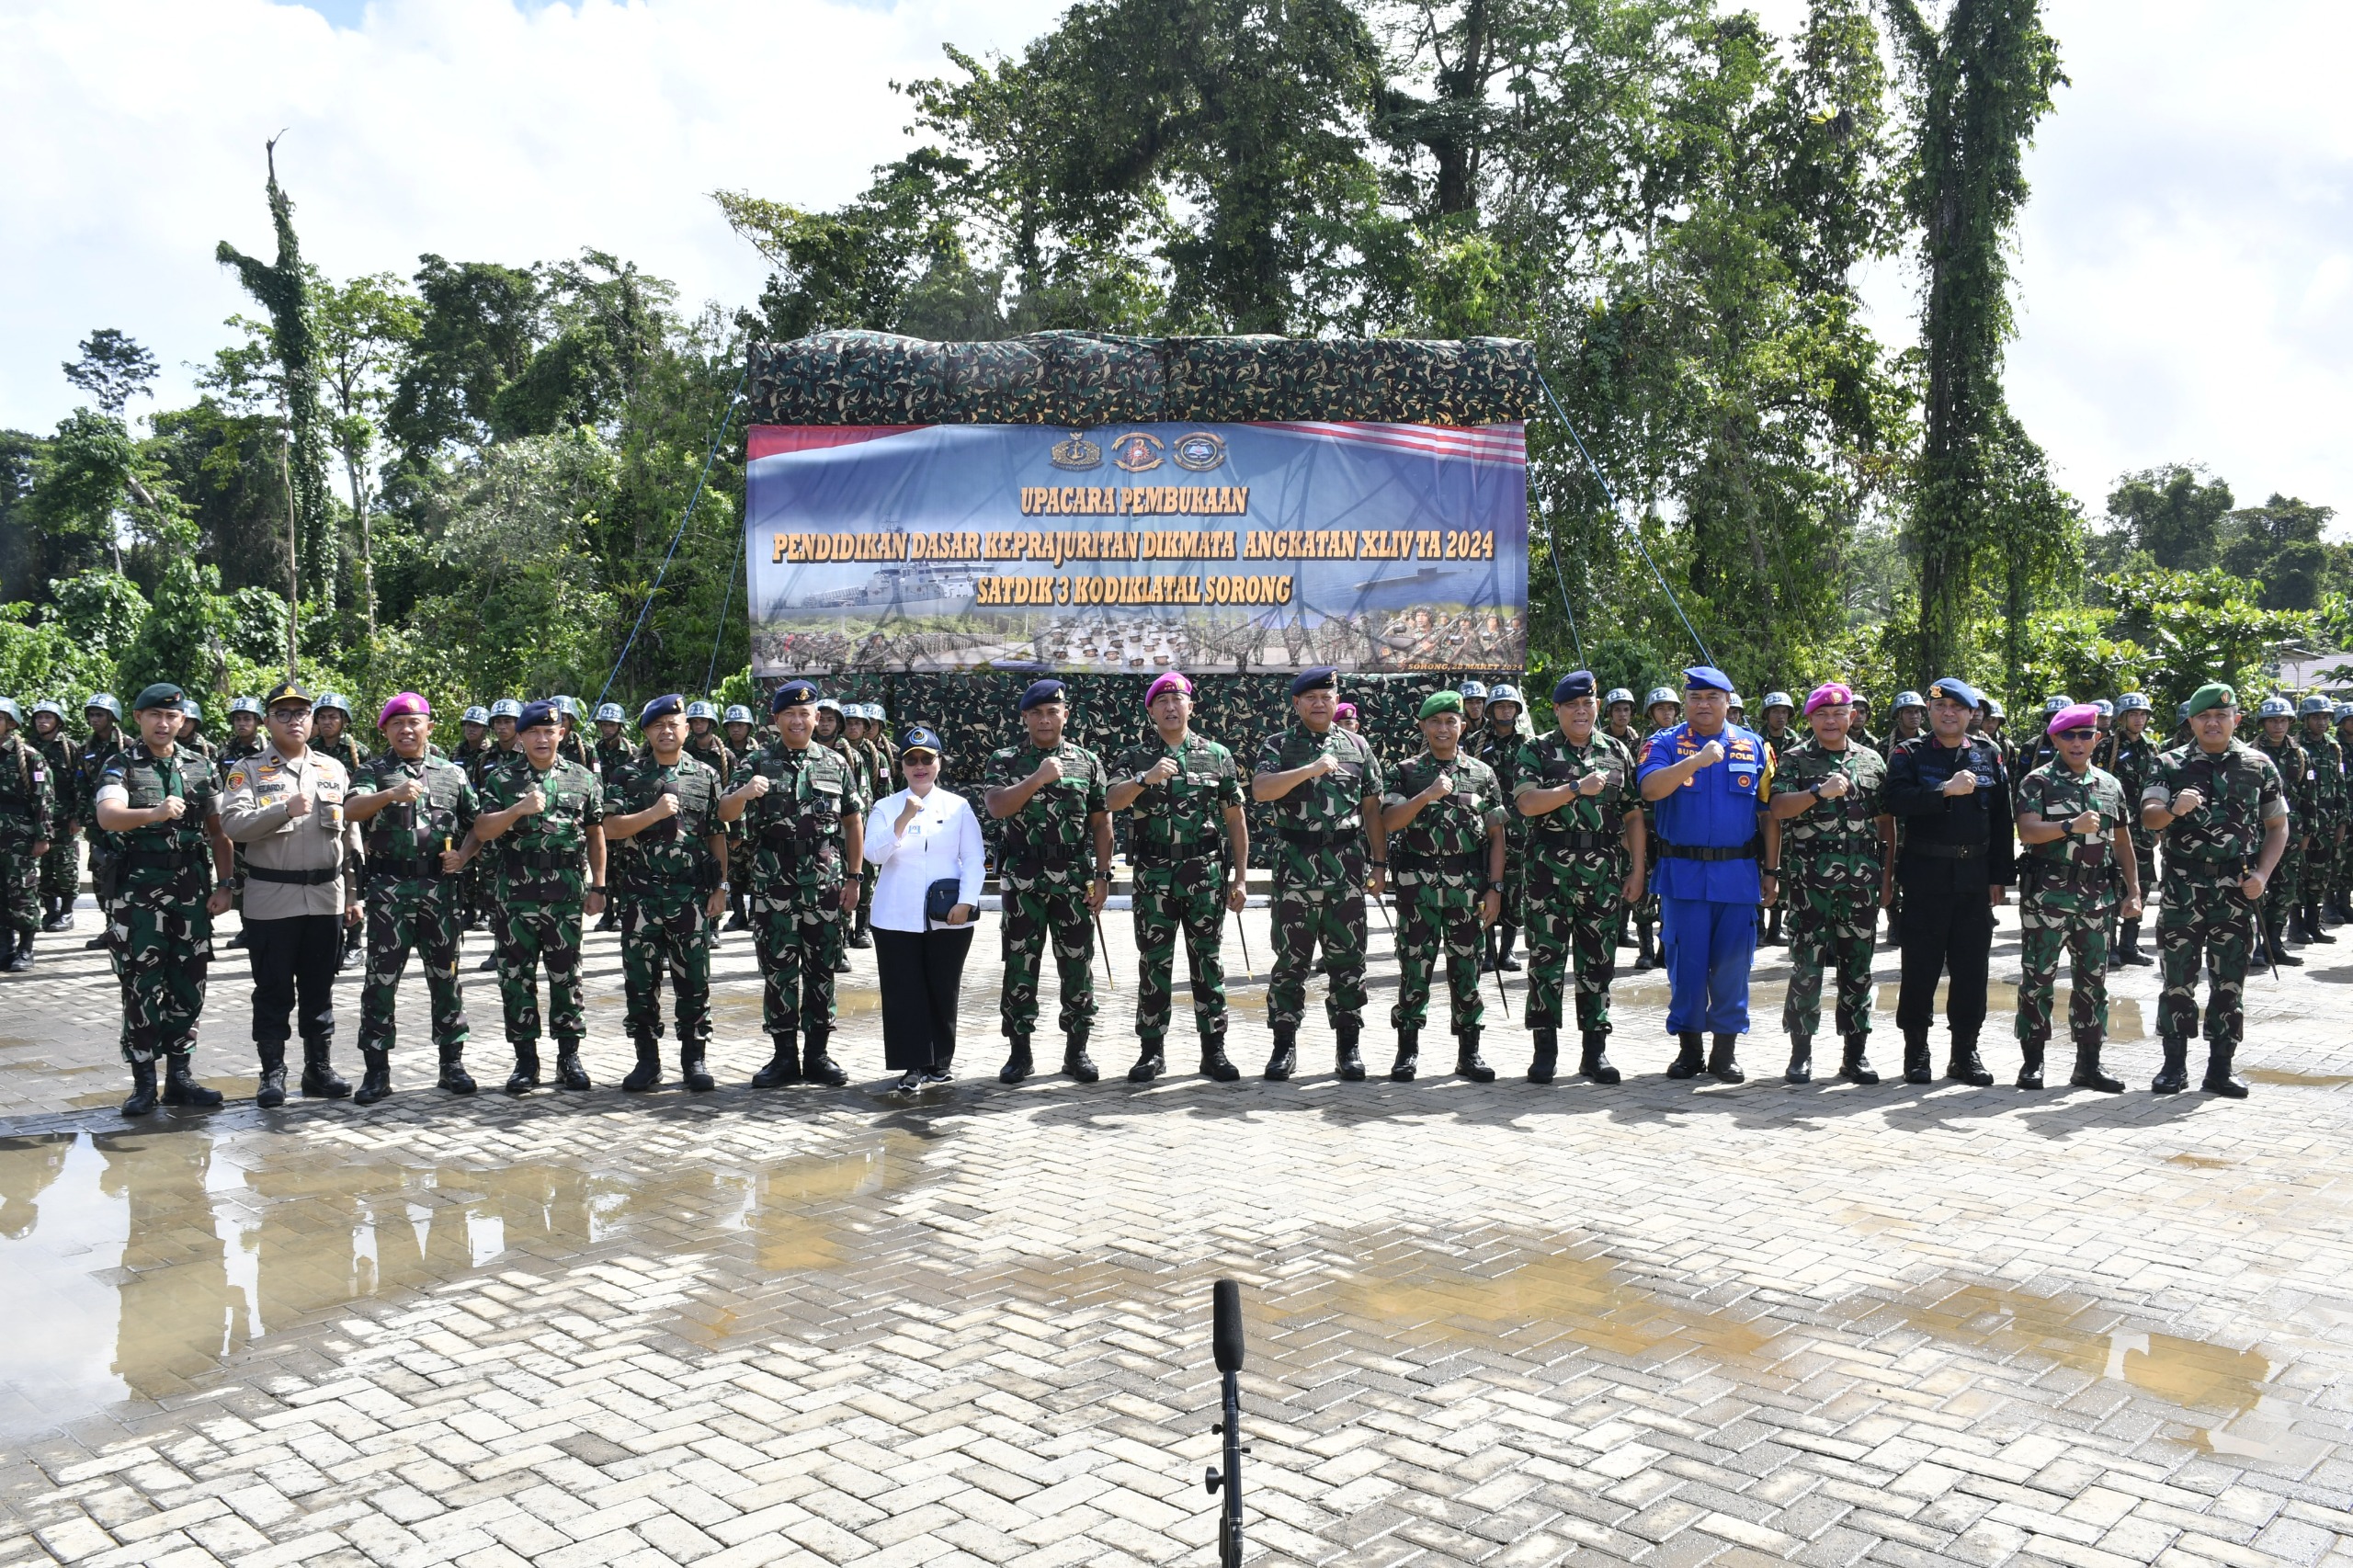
(1088, 380)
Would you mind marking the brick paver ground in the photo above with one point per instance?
(1658, 1324)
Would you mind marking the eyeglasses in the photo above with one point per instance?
(288, 715)
(2079, 734)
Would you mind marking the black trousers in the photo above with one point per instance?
(1948, 933)
(921, 973)
(294, 958)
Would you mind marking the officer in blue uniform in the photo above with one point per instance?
(1710, 781)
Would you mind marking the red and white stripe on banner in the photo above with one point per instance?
(1482, 443)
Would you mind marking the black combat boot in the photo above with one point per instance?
(1150, 1062)
(784, 1064)
(2274, 932)
(1723, 1066)
(143, 1089)
(1624, 938)
(1017, 1064)
(454, 1076)
(8, 947)
(1773, 938)
(1855, 1062)
(1283, 1060)
(1215, 1064)
(2087, 1075)
(61, 915)
(1688, 1060)
(1504, 961)
(569, 1073)
(1349, 1061)
(1593, 1058)
(1409, 1057)
(2220, 1079)
(269, 1092)
(237, 942)
(858, 938)
(1547, 1060)
(180, 1087)
(2030, 1063)
(22, 959)
(320, 1080)
(1800, 1067)
(2129, 949)
(525, 1076)
(691, 1071)
(1962, 1065)
(647, 1074)
(2174, 1077)
(102, 939)
(375, 1075)
(353, 939)
(1468, 1063)
(2313, 930)
(2296, 931)
(1487, 949)
(815, 1065)
(609, 921)
(1646, 951)
(739, 917)
(1917, 1069)
(1076, 1062)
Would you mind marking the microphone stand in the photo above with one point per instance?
(1226, 1299)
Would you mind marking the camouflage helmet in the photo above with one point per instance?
(1907, 699)
(9, 707)
(737, 714)
(1778, 699)
(699, 710)
(244, 705)
(334, 699)
(822, 703)
(2055, 701)
(1502, 692)
(2103, 706)
(2181, 711)
(1617, 694)
(2275, 707)
(191, 709)
(874, 711)
(2313, 704)
(2133, 702)
(475, 715)
(52, 708)
(2344, 711)
(1663, 694)
(507, 708)
(569, 707)
(1473, 691)
(104, 702)
(1993, 707)
(610, 713)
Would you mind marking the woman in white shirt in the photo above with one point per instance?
(916, 837)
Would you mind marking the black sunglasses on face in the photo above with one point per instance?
(2079, 734)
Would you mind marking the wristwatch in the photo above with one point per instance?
(727, 887)
(597, 887)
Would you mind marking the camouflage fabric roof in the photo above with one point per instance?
(1085, 380)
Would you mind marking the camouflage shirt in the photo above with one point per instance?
(1444, 847)
(2133, 759)
(2242, 793)
(543, 858)
(2328, 764)
(611, 756)
(1048, 839)
(27, 795)
(168, 859)
(670, 863)
(407, 841)
(90, 766)
(1185, 816)
(1552, 760)
(2299, 780)
(2073, 873)
(1324, 807)
(345, 750)
(796, 830)
(1834, 844)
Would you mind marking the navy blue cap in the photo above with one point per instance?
(659, 708)
(1706, 677)
(793, 694)
(535, 714)
(920, 737)
(1317, 679)
(1041, 692)
(1960, 690)
(1575, 684)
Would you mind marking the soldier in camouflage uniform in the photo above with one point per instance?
(245, 740)
(665, 804)
(1777, 713)
(2329, 808)
(2072, 818)
(737, 731)
(1859, 731)
(1837, 872)
(606, 757)
(414, 811)
(1189, 846)
(2220, 811)
(704, 744)
(1498, 745)
(2283, 895)
(333, 737)
(873, 783)
(2132, 755)
(1574, 789)
(1663, 710)
(104, 715)
(474, 753)
(58, 867)
(804, 827)
(540, 823)
(161, 808)
(1444, 814)
(1054, 865)
(1617, 729)
(192, 735)
(1326, 786)
(572, 746)
(28, 819)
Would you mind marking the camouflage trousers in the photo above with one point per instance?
(161, 947)
(2204, 920)
(866, 897)
(61, 869)
(530, 937)
(20, 887)
(411, 914)
(1833, 929)
(2044, 934)
(1036, 912)
(655, 939)
(1170, 900)
(2285, 888)
(1302, 917)
(797, 933)
(1514, 912)
(1573, 908)
(1434, 921)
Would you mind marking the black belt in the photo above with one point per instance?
(1748, 851)
(537, 861)
(161, 859)
(1579, 840)
(1947, 851)
(404, 865)
(1144, 855)
(1435, 865)
(295, 878)
(1027, 862)
(2199, 866)
(2070, 874)
(1301, 838)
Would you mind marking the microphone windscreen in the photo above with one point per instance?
(1227, 1334)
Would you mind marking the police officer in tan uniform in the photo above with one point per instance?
(284, 807)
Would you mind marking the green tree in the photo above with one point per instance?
(2174, 512)
(480, 324)
(113, 369)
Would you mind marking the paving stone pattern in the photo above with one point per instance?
(1503, 1324)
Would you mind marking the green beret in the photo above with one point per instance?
(1441, 702)
(163, 694)
(2213, 694)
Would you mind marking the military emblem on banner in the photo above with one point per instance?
(1201, 451)
(1137, 452)
(1077, 452)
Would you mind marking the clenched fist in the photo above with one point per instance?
(1592, 784)
(2084, 824)
(666, 806)
(1962, 782)
(297, 805)
(175, 807)
(2185, 803)
(1161, 772)
(407, 792)
(533, 802)
(1711, 754)
(1048, 771)
(757, 787)
(1834, 788)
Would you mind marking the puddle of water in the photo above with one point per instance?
(2282, 1078)
(137, 1262)
(2198, 1162)
(1586, 1296)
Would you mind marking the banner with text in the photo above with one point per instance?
(1205, 547)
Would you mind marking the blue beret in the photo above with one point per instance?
(793, 694)
(1706, 677)
(1042, 692)
(1960, 690)
(535, 714)
(1317, 679)
(661, 708)
(1575, 684)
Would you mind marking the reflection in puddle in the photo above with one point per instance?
(138, 1261)
(2282, 1077)
(1588, 1298)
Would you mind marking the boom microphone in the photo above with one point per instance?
(1226, 1295)
(1225, 1299)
